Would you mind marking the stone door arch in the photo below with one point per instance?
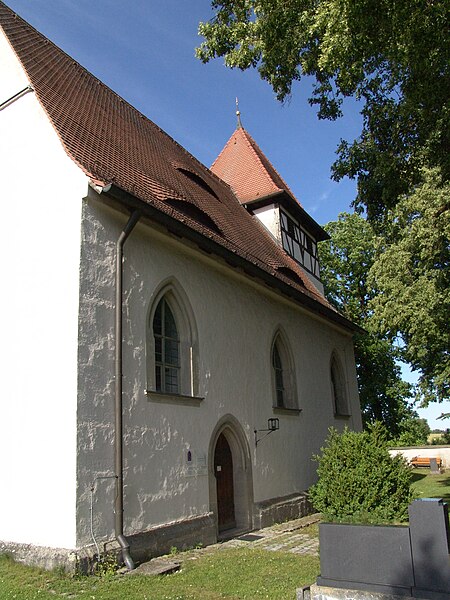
(230, 477)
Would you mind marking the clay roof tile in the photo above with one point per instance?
(112, 142)
(247, 170)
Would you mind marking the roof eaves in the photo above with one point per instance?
(294, 208)
(235, 259)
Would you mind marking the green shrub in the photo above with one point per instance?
(359, 482)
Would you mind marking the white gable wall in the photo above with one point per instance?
(41, 200)
(270, 217)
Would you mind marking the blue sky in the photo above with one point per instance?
(144, 51)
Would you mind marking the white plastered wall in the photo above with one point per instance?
(270, 217)
(41, 191)
(236, 321)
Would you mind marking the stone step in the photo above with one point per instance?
(156, 566)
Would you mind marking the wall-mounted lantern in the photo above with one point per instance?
(272, 425)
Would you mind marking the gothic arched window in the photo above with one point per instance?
(338, 391)
(171, 343)
(283, 376)
(167, 349)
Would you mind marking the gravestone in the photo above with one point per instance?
(429, 531)
(434, 467)
(387, 560)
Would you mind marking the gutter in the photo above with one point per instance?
(118, 408)
(211, 247)
(25, 90)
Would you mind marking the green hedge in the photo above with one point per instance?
(359, 481)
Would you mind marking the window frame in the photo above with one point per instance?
(298, 243)
(188, 383)
(338, 388)
(283, 376)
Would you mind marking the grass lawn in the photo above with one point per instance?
(431, 486)
(223, 573)
(233, 573)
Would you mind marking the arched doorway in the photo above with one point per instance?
(230, 480)
(223, 471)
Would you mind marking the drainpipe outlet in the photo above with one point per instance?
(125, 546)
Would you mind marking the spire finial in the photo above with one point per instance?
(238, 115)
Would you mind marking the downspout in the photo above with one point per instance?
(118, 433)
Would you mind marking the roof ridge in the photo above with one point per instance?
(257, 151)
(251, 143)
(111, 141)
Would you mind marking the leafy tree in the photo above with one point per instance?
(412, 277)
(393, 56)
(413, 432)
(346, 260)
(358, 479)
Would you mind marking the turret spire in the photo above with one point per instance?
(238, 115)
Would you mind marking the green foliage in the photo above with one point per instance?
(106, 566)
(412, 276)
(393, 56)
(443, 439)
(397, 286)
(384, 395)
(413, 432)
(358, 479)
(346, 260)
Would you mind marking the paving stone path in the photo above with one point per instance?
(284, 537)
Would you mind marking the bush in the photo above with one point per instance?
(359, 481)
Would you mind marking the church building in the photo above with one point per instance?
(170, 363)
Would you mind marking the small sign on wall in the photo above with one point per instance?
(195, 464)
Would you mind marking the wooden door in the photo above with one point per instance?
(223, 470)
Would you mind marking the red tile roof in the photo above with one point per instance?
(247, 170)
(114, 143)
(256, 182)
